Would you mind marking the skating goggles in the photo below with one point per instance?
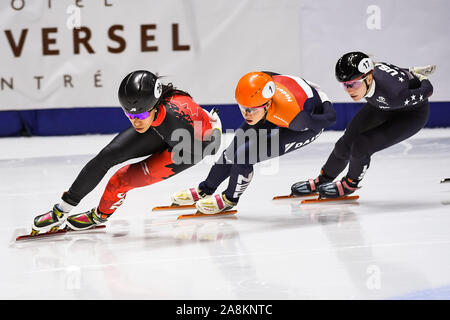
(140, 116)
(353, 84)
(252, 109)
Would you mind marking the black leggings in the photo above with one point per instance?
(237, 160)
(127, 145)
(369, 131)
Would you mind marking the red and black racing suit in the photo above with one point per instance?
(177, 112)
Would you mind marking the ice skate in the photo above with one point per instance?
(187, 197)
(305, 188)
(214, 204)
(184, 199)
(310, 186)
(51, 221)
(338, 188)
(198, 214)
(85, 220)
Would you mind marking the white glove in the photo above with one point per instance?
(215, 120)
(420, 76)
(424, 71)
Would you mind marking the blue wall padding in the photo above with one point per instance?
(439, 115)
(74, 121)
(10, 123)
(96, 120)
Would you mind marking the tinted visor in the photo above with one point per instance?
(353, 84)
(252, 109)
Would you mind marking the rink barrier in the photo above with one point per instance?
(107, 120)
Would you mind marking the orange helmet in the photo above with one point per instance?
(254, 89)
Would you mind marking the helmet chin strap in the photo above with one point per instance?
(268, 106)
(367, 87)
(266, 109)
(367, 84)
(157, 111)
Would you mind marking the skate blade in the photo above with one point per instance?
(318, 200)
(204, 215)
(174, 207)
(35, 235)
(291, 196)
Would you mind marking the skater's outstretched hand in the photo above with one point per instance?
(423, 72)
(214, 119)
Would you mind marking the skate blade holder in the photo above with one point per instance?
(55, 233)
(291, 196)
(174, 207)
(319, 200)
(204, 215)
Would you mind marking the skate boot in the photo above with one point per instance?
(304, 188)
(214, 204)
(338, 188)
(188, 196)
(49, 222)
(85, 220)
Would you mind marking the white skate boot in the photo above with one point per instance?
(51, 221)
(214, 204)
(187, 197)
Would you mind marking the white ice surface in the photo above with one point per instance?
(393, 243)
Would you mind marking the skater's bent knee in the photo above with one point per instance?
(342, 149)
(362, 147)
(119, 176)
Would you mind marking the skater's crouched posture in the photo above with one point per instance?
(397, 107)
(282, 113)
(155, 111)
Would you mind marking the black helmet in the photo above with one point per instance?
(353, 65)
(139, 92)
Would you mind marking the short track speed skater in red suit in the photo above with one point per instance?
(154, 110)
